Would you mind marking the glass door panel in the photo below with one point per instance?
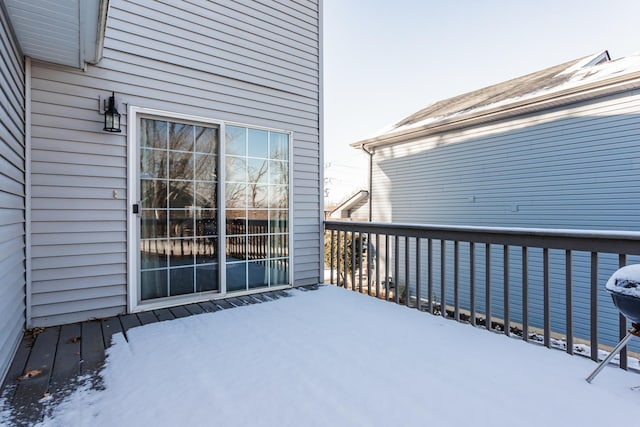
(178, 209)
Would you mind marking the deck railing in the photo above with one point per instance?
(511, 280)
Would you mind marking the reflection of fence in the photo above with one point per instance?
(511, 280)
(250, 239)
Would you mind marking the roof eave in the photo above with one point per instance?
(530, 105)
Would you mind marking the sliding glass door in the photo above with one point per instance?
(181, 248)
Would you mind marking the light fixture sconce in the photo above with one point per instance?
(111, 115)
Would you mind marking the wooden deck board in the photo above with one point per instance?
(147, 317)
(164, 314)
(110, 327)
(223, 304)
(66, 365)
(208, 306)
(180, 311)
(17, 367)
(129, 321)
(92, 347)
(35, 381)
(194, 309)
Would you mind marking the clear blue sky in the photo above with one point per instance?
(384, 60)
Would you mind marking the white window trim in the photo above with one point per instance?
(133, 306)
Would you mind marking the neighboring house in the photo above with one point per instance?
(215, 169)
(354, 208)
(558, 148)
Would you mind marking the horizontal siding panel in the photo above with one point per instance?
(73, 295)
(78, 249)
(75, 272)
(69, 284)
(77, 238)
(11, 217)
(73, 192)
(77, 204)
(77, 227)
(76, 170)
(72, 181)
(117, 302)
(78, 316)
(78, 215)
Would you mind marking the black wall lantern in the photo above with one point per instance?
(111, 115)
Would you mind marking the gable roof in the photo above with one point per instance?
(580, 79)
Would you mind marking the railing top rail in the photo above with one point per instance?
(612, 241)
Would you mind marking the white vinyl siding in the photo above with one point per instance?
(574, 167)
(253, 63)
(12, 195)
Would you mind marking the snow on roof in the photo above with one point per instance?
(542, 84)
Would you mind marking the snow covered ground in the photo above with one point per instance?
(332, 357)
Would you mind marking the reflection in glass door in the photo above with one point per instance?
(178, 209)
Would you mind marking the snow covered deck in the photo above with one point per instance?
(336, 357)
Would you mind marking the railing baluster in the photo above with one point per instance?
(525, 293)
(622, 322)
(569, 300)
(386, 267)
(377, 265)
(345, 260)
(360, 261)
(407, 289)
(418, 302)
(456, 284)
(594, 306)
(546, 298)
(353, 261)
(369, 264)
(443, 299)
(505, 281)
(487, 290)
(396, 269)
(472, 282)
(338, 252)
(331, 255)
(430, 274)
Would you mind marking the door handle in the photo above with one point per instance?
(136, 208)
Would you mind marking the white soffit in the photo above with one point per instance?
(66, 32)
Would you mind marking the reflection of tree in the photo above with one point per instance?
(234, 195)
(255, 176)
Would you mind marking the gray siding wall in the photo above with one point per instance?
(251, 62)
(12, 195)
(571, 168)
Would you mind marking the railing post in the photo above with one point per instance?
(443, 284)
(472, 282)
(594, 306)
(369, 263)
(456, 284)
(505, 281)
(386, 267)
(546, 298)
(331, 256)
(396, 269)
(418, 302)
(622, 322)
(430, 274)
(360, 259)
(377, 265)
(407, 289)
(569, 300)
(345, 260)
(525, 293)
(487, 290)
